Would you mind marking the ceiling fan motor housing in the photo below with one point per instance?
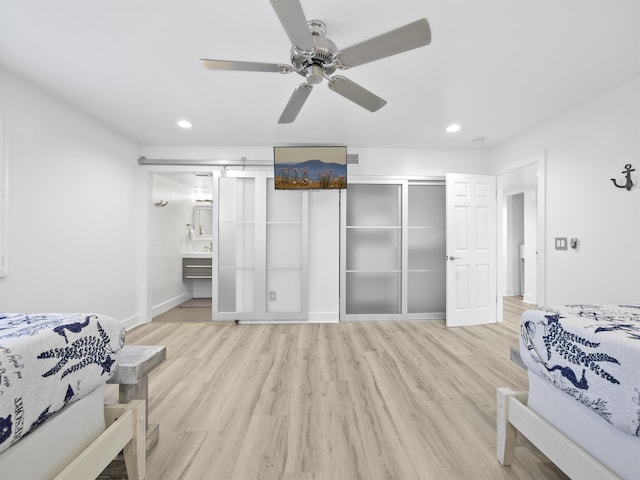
(315, 65)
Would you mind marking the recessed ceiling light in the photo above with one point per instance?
(453, 128)
(185, 124)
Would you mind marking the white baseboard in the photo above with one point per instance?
(312, 317)
(323, 317)
(169, 304)
(528, 298)
(131, 322)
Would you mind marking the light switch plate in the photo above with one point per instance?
(561, 243)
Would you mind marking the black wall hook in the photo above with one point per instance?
(628, 183)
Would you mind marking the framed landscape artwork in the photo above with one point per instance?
(310, 167)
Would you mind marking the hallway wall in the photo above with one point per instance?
(75, 210)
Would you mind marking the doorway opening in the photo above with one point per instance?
(180, 240)
(515, 245)
(521, 242)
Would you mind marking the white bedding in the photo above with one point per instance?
(79, 423)
(590, 352)
(48, 361)
(618, 451)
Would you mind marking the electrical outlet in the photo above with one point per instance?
(272, 296)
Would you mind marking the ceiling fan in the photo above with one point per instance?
(315, 57)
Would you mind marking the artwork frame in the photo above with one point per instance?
(310, 167)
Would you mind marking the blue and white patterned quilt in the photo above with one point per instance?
(48, 360)
(591, 352)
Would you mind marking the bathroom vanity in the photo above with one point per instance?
(197, 269)
(196, 266)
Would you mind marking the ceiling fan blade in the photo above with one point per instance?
(356, 93)
(295, 103)
(413, 35)
(294, 22)
(245, 66)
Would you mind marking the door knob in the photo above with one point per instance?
(451, 257)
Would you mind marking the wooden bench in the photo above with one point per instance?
(131, 376)
(136, 362)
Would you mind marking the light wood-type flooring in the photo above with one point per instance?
(346, 401)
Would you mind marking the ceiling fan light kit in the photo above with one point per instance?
(315, 57)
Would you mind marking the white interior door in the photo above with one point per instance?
(471, 249)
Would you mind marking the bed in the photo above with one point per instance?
(582, 409)
(53, 422)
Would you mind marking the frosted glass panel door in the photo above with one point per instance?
(373, 249)
(426, 249)
(236, 245)
(262, 255)
(393, 250)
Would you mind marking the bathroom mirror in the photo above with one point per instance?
(203, 222)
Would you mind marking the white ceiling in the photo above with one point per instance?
(498, 67)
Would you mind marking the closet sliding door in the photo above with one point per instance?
(426, 251)
(393, 250)
(373, 251)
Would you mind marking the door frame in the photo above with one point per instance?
(150, 170)
(505, 187)
(404, 182)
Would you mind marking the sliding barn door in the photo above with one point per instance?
(260, 272)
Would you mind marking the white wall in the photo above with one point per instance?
(168, 241)
(585, 147)
(75, 210)
(324, 207)
(419, 162)
(324, 256)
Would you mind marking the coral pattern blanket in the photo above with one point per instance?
(592, 353)
(48, 360)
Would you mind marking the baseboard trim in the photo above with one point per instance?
(132, 322)
(323, 317)
(169, 304)
(315, 317)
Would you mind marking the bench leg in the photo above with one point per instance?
(136, 391)
(140, 391)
